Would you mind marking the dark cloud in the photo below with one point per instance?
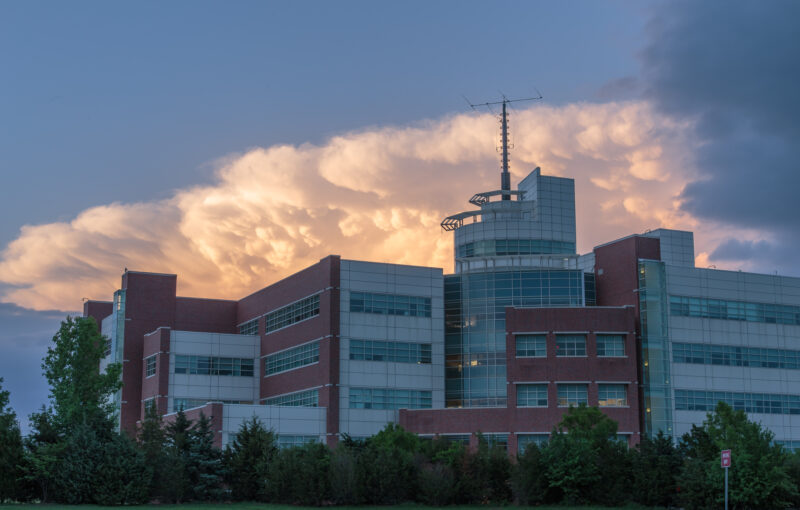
(731, 66)
(24, 337)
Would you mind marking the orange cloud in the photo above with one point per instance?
(375, 195)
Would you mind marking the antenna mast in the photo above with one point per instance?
(505, 176)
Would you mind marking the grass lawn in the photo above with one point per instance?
(257, 506)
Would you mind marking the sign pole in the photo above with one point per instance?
(725, 462)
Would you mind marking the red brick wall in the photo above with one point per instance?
(158, 343)
(98, 310)
(209, 315)
(616, 266)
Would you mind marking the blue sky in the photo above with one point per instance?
(121, 121)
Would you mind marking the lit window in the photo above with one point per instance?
(612, 395)
(572, 395)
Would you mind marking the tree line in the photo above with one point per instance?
(73, 455)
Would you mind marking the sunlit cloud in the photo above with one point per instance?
(374, 195)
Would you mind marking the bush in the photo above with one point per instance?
(247, 459)
(528, 480)
(300, 475)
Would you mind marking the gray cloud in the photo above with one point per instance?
(732, 68)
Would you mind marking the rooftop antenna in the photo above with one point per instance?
(505, 176)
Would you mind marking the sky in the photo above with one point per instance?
(234, 143)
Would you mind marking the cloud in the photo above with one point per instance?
(730, 68)
(377, 194)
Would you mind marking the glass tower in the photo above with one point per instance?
(516, 249)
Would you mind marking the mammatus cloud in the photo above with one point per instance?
(374, 195)
(731, 67)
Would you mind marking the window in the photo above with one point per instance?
(572, 395)
(766, 403)
(190, 403)
(291, 314)
(149, 403)
(288, 441)
(249, 327)
(708, 354)
(309, 398)
(390, 304)
(385, 398)
(734, 310)
(209, 365)
(612, 395)
(531, 346)
(492, 247)
(399, 352)
(291, 358)
(523, 440)
(496, 440)
(570, 345)
(611, 345)
(150, 366)
(531, 395)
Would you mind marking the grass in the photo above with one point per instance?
(261, 506)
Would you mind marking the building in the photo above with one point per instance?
(523, 329)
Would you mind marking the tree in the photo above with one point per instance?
(11, 452)
(247, 459)
(758, 476)
(655, 471)
(79, 392)
(43, 449)
(528, 481)
(152, 442)
(123, 477)
(177, 485)
(204, 462)
(301, 475)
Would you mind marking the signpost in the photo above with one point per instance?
(725, 461)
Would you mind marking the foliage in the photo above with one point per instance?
(655, 471)
(385, 473)
(758, 476)
(247, 459)
(80, 394)
(528, 481)
(344, 483)
(204, 462)
(176, 483)
(152, 442)
(300, 475)
(11, 452)
(123, 475)
(43, 449)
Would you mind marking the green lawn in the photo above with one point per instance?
(257, 506)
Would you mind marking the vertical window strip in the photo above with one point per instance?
(292, 358)
(291, 314)
(150, 366)
(390, 304)
(398, 352)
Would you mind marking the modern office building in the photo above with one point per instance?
(523, 329)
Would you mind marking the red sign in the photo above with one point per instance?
(725, 458)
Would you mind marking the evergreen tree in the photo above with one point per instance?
(43, 450)
(758, 476)
(123, 475)
(204, 462)
(152, 441)
(177, 484)
(11, 452)
(655, 471)
(300, 475)
(247, 459)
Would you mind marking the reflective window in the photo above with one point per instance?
(249, 327)
(766, 403)
(523, 440)
(612, 395)
(288, 441)
(531, 346)
(572, 394)
(291, 314)
(309, 398)
(709, 354)
(386, 398)
(390, 304)
(531, 395)
(291, 358)
(570, 345)
(210, 365)
(611, 345)
(495, 247)
(398, 352)
(190, 403)
(734, 310)
(150, 366)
